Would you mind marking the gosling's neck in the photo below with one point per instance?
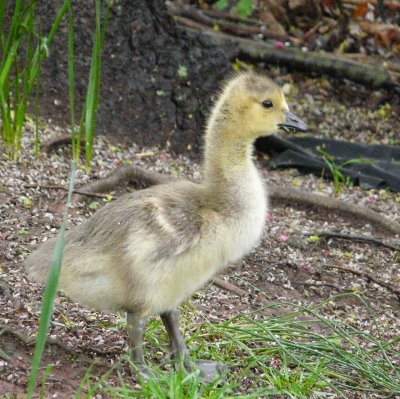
(227, 157)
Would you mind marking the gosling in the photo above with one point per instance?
(149, 250)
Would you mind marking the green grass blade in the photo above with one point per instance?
(14, 26)
(3, 10)
(42, 48)
(49, 295)
(20, 106)
(92, 96)
(71, 83)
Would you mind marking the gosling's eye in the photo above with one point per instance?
(267, 104)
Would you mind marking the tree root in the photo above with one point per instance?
(131, 175)
(363, 213)
(29, 341)
(53, 144)
(141, 178)
(62, 188)
(353, 237)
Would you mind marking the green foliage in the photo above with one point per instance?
(94, 205)
(49, 295)
(87, 123)
(18, 73)
(298, 354)
(244, 8)
(22, 51)
(335, 169)
(221, 5)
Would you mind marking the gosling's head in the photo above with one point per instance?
(253, 106)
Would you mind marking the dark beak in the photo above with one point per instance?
(293, 123)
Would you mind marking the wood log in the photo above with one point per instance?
(322, 63)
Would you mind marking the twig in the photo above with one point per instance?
(316, 284)
(354, 237)
(368, 276)
(312, 31)
(234, 18)
(227, 286)
(184, 10)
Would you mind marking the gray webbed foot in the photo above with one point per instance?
(211, 371)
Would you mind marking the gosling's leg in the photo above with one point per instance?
(209, 370)
(136, 328)
(179, 350)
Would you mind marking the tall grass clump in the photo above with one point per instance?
(50, 294)
(22, 51)
(89, 110)
(299, 354)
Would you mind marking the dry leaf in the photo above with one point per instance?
(361, 10)
(386, 34)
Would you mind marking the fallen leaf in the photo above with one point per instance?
(361, 10)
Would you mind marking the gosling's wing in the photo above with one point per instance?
(146, 226)
(150, 224)
(167, 225)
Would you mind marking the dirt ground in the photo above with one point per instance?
(285, 266)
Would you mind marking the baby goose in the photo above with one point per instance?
(149, 250)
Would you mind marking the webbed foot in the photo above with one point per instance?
(211, 371)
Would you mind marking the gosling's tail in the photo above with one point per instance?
(37, 264)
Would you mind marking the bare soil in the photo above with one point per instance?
(286, 266)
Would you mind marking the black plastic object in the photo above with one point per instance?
(302, 153)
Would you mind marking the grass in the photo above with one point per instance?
(336, 170)
(300, 354)
(22, 51)
(87, 123)
(49, 296)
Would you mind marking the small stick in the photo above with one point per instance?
(355, 237)
(227, 286)
(336, 287)
(236, 29)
